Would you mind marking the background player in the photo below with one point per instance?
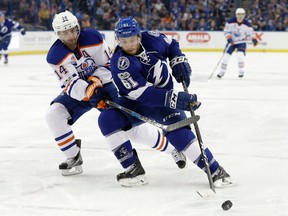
(237, 31)
(80, 59)
(6, 27)
(140, 70)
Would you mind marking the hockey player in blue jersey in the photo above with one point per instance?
(237, 32)
(140, 70)
(6, 28)
(80, 59)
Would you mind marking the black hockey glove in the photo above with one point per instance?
(255, 42)
(181, 69)
(181, 100)
(229, 40)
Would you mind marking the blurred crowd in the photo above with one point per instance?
(193, 15)
(269, 15)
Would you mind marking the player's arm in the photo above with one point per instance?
(178, 61)
(134, 86)
(251, 33)
(101, 55)
(69, 80)
(228, 32)
(90, 90)
(18, 27)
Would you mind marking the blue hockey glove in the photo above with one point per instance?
(95, 93)
(254, 41)
(23, 32)
(181, 69)
(181, 100)
(229, 40)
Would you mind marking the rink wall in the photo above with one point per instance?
(190, 41)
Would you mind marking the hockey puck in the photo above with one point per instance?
(227, 205)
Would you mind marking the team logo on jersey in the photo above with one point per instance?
(86, 68)
(144, 58)
(237, 32)
(4, 29)
(123, 63)
(154, 33)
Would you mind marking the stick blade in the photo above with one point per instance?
(182, 123)
(206, 194)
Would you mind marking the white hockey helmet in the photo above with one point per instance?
(240, 11)
(240, 14)
(64, 21)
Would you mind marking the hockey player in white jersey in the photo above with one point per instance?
(237, 32)
(81, 61)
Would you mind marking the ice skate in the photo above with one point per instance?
(72, 166)
(241, 74)
(134, 176)
(6, 61)
(179, 158)
(221, 178)
(220, 75)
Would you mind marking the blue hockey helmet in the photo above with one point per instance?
(127, 27)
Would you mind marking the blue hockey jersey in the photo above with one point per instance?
(8, 26)
(145, 77)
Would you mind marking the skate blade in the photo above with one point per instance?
(134, 182)
(73, 171)
(206, 194)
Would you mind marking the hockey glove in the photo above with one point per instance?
(181, 100)
(254, 41)
(181, 69)
(95, 93)
(229, 40)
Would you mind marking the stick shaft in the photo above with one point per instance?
(167, 128)
(200, 142)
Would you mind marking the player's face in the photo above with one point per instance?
(1, 19)
(240, 17)
(130, 45)
(69, 37)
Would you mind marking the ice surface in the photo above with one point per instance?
(243, 121)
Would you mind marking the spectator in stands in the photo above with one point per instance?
(85, 22)
(44, 16)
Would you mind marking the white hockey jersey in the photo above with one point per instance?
(73, 68)
(240, 33)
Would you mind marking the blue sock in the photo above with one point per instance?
(125, 155)
(213, 164)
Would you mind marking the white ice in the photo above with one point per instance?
(243, 121)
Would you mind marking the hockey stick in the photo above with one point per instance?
(226, 48)
(207, 194)
(167, 128)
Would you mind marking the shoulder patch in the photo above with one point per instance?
(154, 33)
(123, 63)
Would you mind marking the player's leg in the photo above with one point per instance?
(185, 140)
(5, 49)
(1, 45)
(241, 59)
(225, 61)
(113, 125)
(62, 113)
(143, 134)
